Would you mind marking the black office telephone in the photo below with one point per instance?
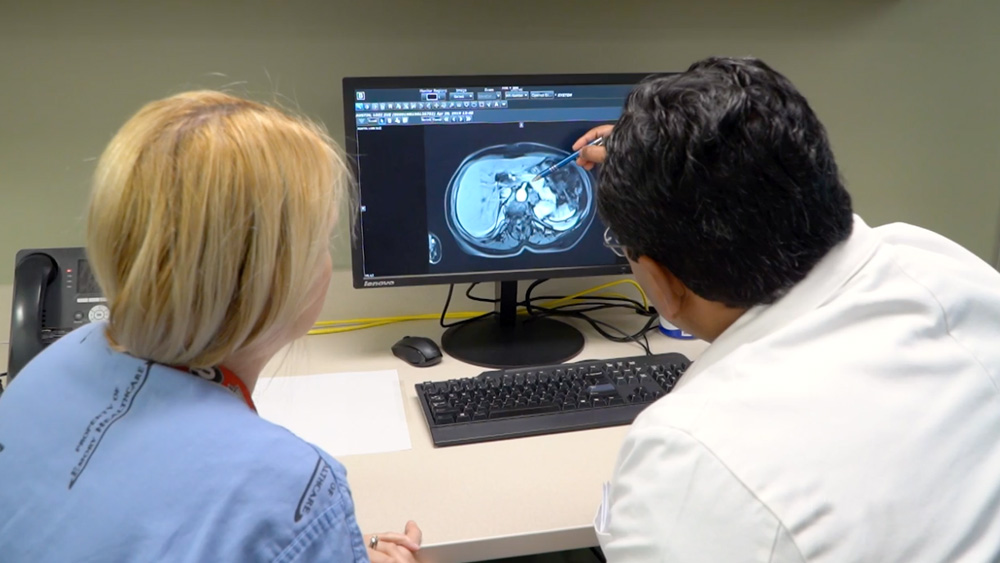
(54, 292)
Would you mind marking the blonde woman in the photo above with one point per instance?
(137, 439)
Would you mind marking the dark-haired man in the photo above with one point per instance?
(848, 406)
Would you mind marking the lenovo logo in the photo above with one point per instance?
(380, 283)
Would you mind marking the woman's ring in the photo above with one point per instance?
(373, 543)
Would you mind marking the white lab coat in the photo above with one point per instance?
(856, 419)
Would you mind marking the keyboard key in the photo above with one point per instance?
(444, 418)
(523, 411)
(603, 389)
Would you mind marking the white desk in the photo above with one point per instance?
(479, 501)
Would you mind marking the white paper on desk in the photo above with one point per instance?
(342, 413)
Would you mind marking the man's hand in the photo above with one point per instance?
(592, 155)
(394, 547)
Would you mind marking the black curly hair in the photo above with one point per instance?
(724, 175)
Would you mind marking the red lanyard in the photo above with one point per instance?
(225, 378)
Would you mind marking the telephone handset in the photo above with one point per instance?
(54, 292)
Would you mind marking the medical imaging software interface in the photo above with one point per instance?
(447, 179)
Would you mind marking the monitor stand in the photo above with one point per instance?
(505, 340)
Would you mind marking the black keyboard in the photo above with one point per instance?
(512, 403)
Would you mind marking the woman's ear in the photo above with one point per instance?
(664, 289)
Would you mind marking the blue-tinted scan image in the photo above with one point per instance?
(433, 248)
(495, 210)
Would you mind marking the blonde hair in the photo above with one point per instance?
(207, 217)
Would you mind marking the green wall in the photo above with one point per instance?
(907, 88)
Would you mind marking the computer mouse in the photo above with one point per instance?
(417, 351)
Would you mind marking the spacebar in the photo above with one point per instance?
(523, 411)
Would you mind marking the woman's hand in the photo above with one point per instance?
(393, 547)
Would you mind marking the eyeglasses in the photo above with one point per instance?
(611, 242)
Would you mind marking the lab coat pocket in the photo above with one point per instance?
(603, 537)
(603, 517)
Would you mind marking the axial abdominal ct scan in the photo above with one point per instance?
(494, 208)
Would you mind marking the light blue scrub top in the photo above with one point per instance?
(106, 457)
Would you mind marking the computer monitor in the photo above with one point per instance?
(446, 169)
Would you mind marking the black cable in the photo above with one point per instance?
(535, 310)
(644, 344)
(468, 294)
(527, 294)
(590, 307)
(638, 305)
(447, 301)
(596, 325)
(444, 312)
(599, 325)
(617, 302)
(529, 300)
(652, 324)
(578, 309)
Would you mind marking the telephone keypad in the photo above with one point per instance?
(98, 313)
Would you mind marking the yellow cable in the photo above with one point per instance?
(336, 330)
(331, 327)
(568, 298)
(423, 317)
(607, 294)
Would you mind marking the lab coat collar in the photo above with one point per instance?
(825, 279)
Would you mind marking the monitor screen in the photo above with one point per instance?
(446, 169)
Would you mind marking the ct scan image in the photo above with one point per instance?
(495, 208)
(487, 211)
